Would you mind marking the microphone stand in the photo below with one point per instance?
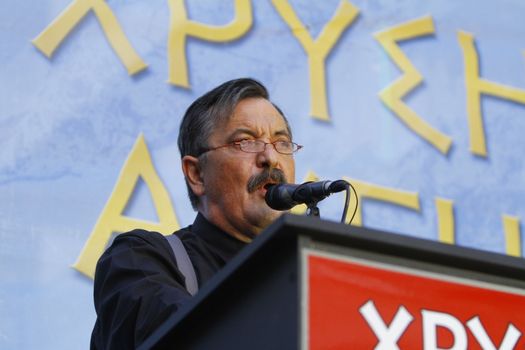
(312, 210)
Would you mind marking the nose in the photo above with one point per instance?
(269, 158)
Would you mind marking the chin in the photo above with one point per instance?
(277, 213)
(272, 216)
(262, 221)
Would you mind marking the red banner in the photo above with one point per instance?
(355, 304)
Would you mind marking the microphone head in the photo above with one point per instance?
(279, 197)
(287, 196)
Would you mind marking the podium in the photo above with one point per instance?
(305, 283)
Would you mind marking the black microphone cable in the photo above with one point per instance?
(348, 185)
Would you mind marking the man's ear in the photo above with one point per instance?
(192, 171)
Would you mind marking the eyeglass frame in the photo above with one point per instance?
(240, 143)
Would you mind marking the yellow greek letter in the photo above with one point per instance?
(446, 222)
(511, 225)
(319, 49)
(476, 86)
(393, 94)
(181, 27)
(111, 220)
(51, 37)
(367, 190)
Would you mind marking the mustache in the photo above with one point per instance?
(273, 175)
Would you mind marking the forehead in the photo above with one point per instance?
(257, 115)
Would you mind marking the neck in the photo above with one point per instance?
(243, 234)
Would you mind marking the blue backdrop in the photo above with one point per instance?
(69, 122)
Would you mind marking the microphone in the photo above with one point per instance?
(287, 196)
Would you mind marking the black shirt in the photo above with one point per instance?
(138, 285)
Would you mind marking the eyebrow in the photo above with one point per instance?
(254, 134)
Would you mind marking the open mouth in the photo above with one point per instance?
(262, 182)
(267, 185)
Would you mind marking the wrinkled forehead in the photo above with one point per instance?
(258, 115)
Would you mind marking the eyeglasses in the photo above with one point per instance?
(256, 146)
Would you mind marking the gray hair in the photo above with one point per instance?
(212, 109)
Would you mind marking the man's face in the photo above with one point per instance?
(227, 201)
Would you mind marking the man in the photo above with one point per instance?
(233, 142)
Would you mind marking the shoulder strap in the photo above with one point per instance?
(184, 263)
